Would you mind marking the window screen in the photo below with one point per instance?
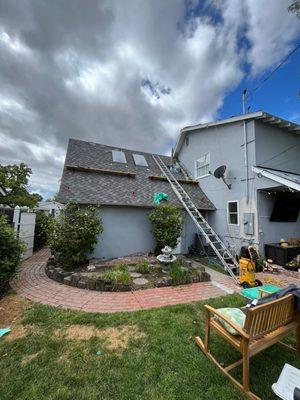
(202, 166)
(118, 156)
(140, 160)
(233, 213)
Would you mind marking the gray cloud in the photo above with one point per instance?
(76, 69)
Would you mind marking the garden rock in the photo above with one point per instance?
(81, 284)
(100, 285)
(135, 274)
(140, 281)
(205, 277)
(67, 280)
(91, 284)
(75, 278)
(58, 274)
(91, 268)
(100, 266)
(164, 282)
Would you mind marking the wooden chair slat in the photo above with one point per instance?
(261, 319)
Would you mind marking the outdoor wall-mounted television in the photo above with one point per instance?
(286, 208)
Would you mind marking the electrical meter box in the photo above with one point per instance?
(248, 221)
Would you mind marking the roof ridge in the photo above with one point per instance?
(117, 147)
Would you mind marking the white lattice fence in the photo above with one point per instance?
(24, 224)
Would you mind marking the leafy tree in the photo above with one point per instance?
(43, 223)
(14, 178)
(167, 225)
(54, 198)
(73, 235)
(295, 8)
(11, 249)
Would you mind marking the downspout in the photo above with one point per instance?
(244, 98)
(246, 161)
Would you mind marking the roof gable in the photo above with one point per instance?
(259, 115)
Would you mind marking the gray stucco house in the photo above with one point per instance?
(122, 183)
(261, 153)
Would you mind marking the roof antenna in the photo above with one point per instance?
(244, 99)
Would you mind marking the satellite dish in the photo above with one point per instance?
(220, 171)
(219, 174)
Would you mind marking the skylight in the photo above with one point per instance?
(118, 156)
(139, 159)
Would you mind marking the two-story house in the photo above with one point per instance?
(258, 200)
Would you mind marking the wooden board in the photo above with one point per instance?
(100, 171)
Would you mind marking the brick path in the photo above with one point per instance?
(33, 283)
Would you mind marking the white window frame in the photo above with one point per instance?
(121, 153)
(237, 212)
(204, 165)
(136, 161)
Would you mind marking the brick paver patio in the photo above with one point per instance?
(33, 283)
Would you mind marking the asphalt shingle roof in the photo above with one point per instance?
(107, 189)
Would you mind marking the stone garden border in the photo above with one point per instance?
(75, 279)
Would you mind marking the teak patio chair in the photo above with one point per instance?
(264, 326)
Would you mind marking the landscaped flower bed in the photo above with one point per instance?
(132, 273)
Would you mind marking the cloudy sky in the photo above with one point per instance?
(132, 73)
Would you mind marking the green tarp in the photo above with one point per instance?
(158, 197)
(252, 293)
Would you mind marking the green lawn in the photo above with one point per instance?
(159, 362)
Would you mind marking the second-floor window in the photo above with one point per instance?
(202, 166)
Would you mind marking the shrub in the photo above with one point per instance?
(259, 265)
(167, 225)
(42, 229)
(73, 235)
(11, 249)
(178, 274)
(143, 267)
(122, 267)
(117, 275)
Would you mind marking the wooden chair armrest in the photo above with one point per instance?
(240, 331)
(261, 292)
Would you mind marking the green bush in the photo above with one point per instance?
(42, 229)
(167, 225)
(143, 267)
(117, 275)
(259, 265)
(178, 274)
(11, 249)
(73, 235)
(122, 267)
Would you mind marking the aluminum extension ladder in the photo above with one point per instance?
(224, 255)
